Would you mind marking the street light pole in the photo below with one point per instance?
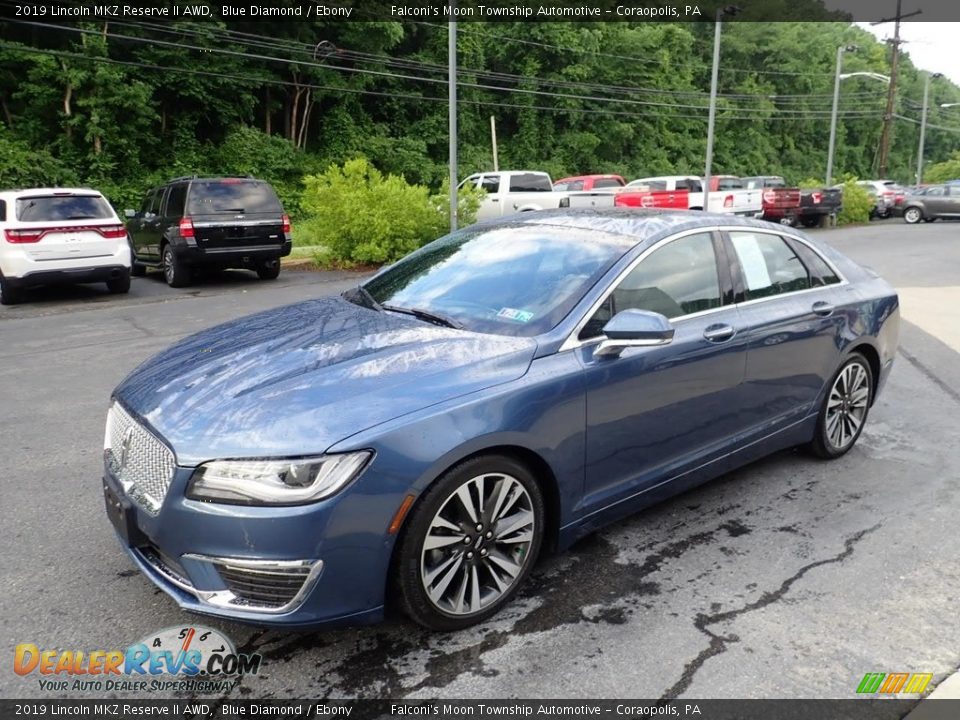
(452, 117)
(833, 114)
(712, 117)
(923, 124)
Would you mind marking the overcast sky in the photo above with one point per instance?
(933, 46)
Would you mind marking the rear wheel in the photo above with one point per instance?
(119, 285)
(912, 215)
(470, 543)
(9, 295)
(844, 410)
(268, 269)
(175, 271)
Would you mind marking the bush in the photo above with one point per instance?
(24, 167)
(857, 203)
(944, 171)
(366, 217)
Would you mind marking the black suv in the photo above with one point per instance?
(221, 222)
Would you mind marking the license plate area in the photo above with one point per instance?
(123, 517)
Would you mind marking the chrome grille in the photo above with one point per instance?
(138, 459)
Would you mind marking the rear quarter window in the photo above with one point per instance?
(208, 197)
(530, 182)
(607, 183)
(63, 207)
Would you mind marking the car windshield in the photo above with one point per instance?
(504, 280)
(231, 195)
(63, 207)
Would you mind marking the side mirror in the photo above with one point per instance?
(634, 328)
(129, 213)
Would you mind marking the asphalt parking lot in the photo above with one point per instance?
(789, 578)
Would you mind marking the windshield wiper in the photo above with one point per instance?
(363, 294)
(427, 315)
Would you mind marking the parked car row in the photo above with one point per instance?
(73, 235)
(766, 197)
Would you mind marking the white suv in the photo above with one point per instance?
(60, 235)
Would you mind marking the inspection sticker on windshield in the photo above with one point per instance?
(518, 315)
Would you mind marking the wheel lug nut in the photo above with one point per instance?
(479, 527)
(489, 535)
(466, 541)
(483, 553)
(469, 556)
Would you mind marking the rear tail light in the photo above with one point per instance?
(728, 201)
(32, 235)
(817, 198)
(24, 236)
(186, 227)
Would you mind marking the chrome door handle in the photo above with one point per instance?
(823, 308)
(719, 332)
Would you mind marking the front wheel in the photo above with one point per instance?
(912, 215)
(844, 410)
(175, 271)
(470, 543)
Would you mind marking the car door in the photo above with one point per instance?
(172, 210)
(492, 206)
(952, 198)
(653, 411)
(936, 201)
(145, 224)
(792, 310)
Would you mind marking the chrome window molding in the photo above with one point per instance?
(573, 342)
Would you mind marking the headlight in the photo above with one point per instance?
(275, 482)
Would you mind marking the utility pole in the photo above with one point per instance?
(892, 90)
(452, 117)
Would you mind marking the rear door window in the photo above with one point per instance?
(768, 265)
(232, 196)
(607, 183)
(175, 200)
(63, 207)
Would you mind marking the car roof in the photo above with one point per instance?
(32, 192)
(639, 224)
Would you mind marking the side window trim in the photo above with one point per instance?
(739, 285)
(573, 340)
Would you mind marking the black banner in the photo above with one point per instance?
(853, 709)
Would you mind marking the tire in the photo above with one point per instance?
(9, 295)
(844, 410)
(175, 271)
(458, 583)
(810, 221)
(912, 215)
(788, 220)
(120, 285)
(268, 269)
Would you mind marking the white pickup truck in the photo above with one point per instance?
(514, 191)
(728, 193)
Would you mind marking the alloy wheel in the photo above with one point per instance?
(477, 544)
(912, 215)
(847, 406)
(168, 269)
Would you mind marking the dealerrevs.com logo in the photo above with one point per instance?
(200, 659)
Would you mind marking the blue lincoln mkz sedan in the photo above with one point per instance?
(505, 389)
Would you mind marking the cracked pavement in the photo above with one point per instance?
(791, 577)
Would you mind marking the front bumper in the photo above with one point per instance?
(289, 567)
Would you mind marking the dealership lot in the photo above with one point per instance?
(791, 577)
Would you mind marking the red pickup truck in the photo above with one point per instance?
(577, 183)
(643, 196)
(780, 203)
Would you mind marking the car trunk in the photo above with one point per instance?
(235, 213)
(66, 226)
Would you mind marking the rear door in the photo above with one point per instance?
(234, 213)
(953, 204)
(791, 303)
(66, 226)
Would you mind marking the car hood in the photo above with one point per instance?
(297, 379)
